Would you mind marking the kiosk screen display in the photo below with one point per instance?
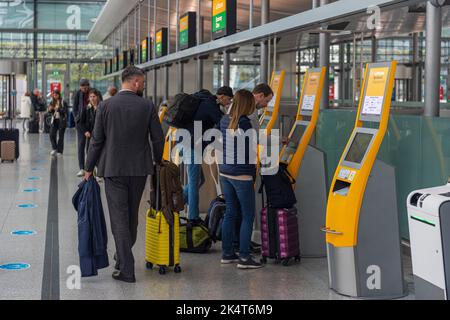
(294, 142)
(264, 124)
(359, 147)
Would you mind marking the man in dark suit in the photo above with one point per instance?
(120, 146)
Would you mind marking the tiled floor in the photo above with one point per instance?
(202, 278)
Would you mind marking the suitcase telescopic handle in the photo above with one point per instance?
(329, 231)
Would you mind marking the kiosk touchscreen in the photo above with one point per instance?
(294, 141)
(362, 228)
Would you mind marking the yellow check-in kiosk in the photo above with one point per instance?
(169, 143)
(362, 227)
(307, 165)
(270, 116)
(162, 113)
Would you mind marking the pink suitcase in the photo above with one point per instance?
(279, 235)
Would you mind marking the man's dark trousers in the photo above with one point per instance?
(124, 196)
(81, 147)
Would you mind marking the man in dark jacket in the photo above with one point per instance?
(209, 114)
(120, 147)
(80, 102)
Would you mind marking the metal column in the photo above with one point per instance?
(155, 72)
(166, 83)
(341, 72)
(416, 78)
(180, 66)
(374, 49)
(433, 58)
(199, 41)
(250, 19)
(324, 60)
(226, 68)
(264, 69)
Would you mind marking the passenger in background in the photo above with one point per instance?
(224, 99)
(112, 91)
(39, 107)
(80, 102)
(58, 110)
(87, 118)
(263, 94)
(238, 183)
(26, 109)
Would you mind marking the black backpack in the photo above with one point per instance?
(214, 219)
(279, 191)
(181, 111)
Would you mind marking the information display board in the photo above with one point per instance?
(116, 61)
(145, 53)
(124, 59)
(161, 42)
(310, 92)
(224, 15)
(188, 30)
(373, 101)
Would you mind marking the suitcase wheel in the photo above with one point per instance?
(162, 270)
(298, 259)
(263, 260)
(149, 265)
(177, 269)
(286, 262)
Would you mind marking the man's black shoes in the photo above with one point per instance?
(117, 275)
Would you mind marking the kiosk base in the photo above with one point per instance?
(425, 290)
(311, 194)
(372, 269)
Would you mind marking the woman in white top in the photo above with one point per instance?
(26, 109)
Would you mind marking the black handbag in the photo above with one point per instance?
(279, 190)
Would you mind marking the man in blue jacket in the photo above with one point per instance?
(209, 114)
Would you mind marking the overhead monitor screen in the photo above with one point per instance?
(359, 147)
(294, 142)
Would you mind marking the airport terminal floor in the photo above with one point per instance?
(52, 250)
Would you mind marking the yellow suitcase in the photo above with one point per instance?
(162, 244)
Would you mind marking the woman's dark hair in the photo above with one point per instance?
(53, 103)
(97, 93)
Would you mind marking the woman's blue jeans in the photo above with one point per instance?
(239, 197)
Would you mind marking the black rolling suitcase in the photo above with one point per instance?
(10, 133)
(33, 126)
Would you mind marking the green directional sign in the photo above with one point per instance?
(223, 18)
(188, 30)
(161, 42)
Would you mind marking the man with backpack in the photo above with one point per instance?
(209, 114)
